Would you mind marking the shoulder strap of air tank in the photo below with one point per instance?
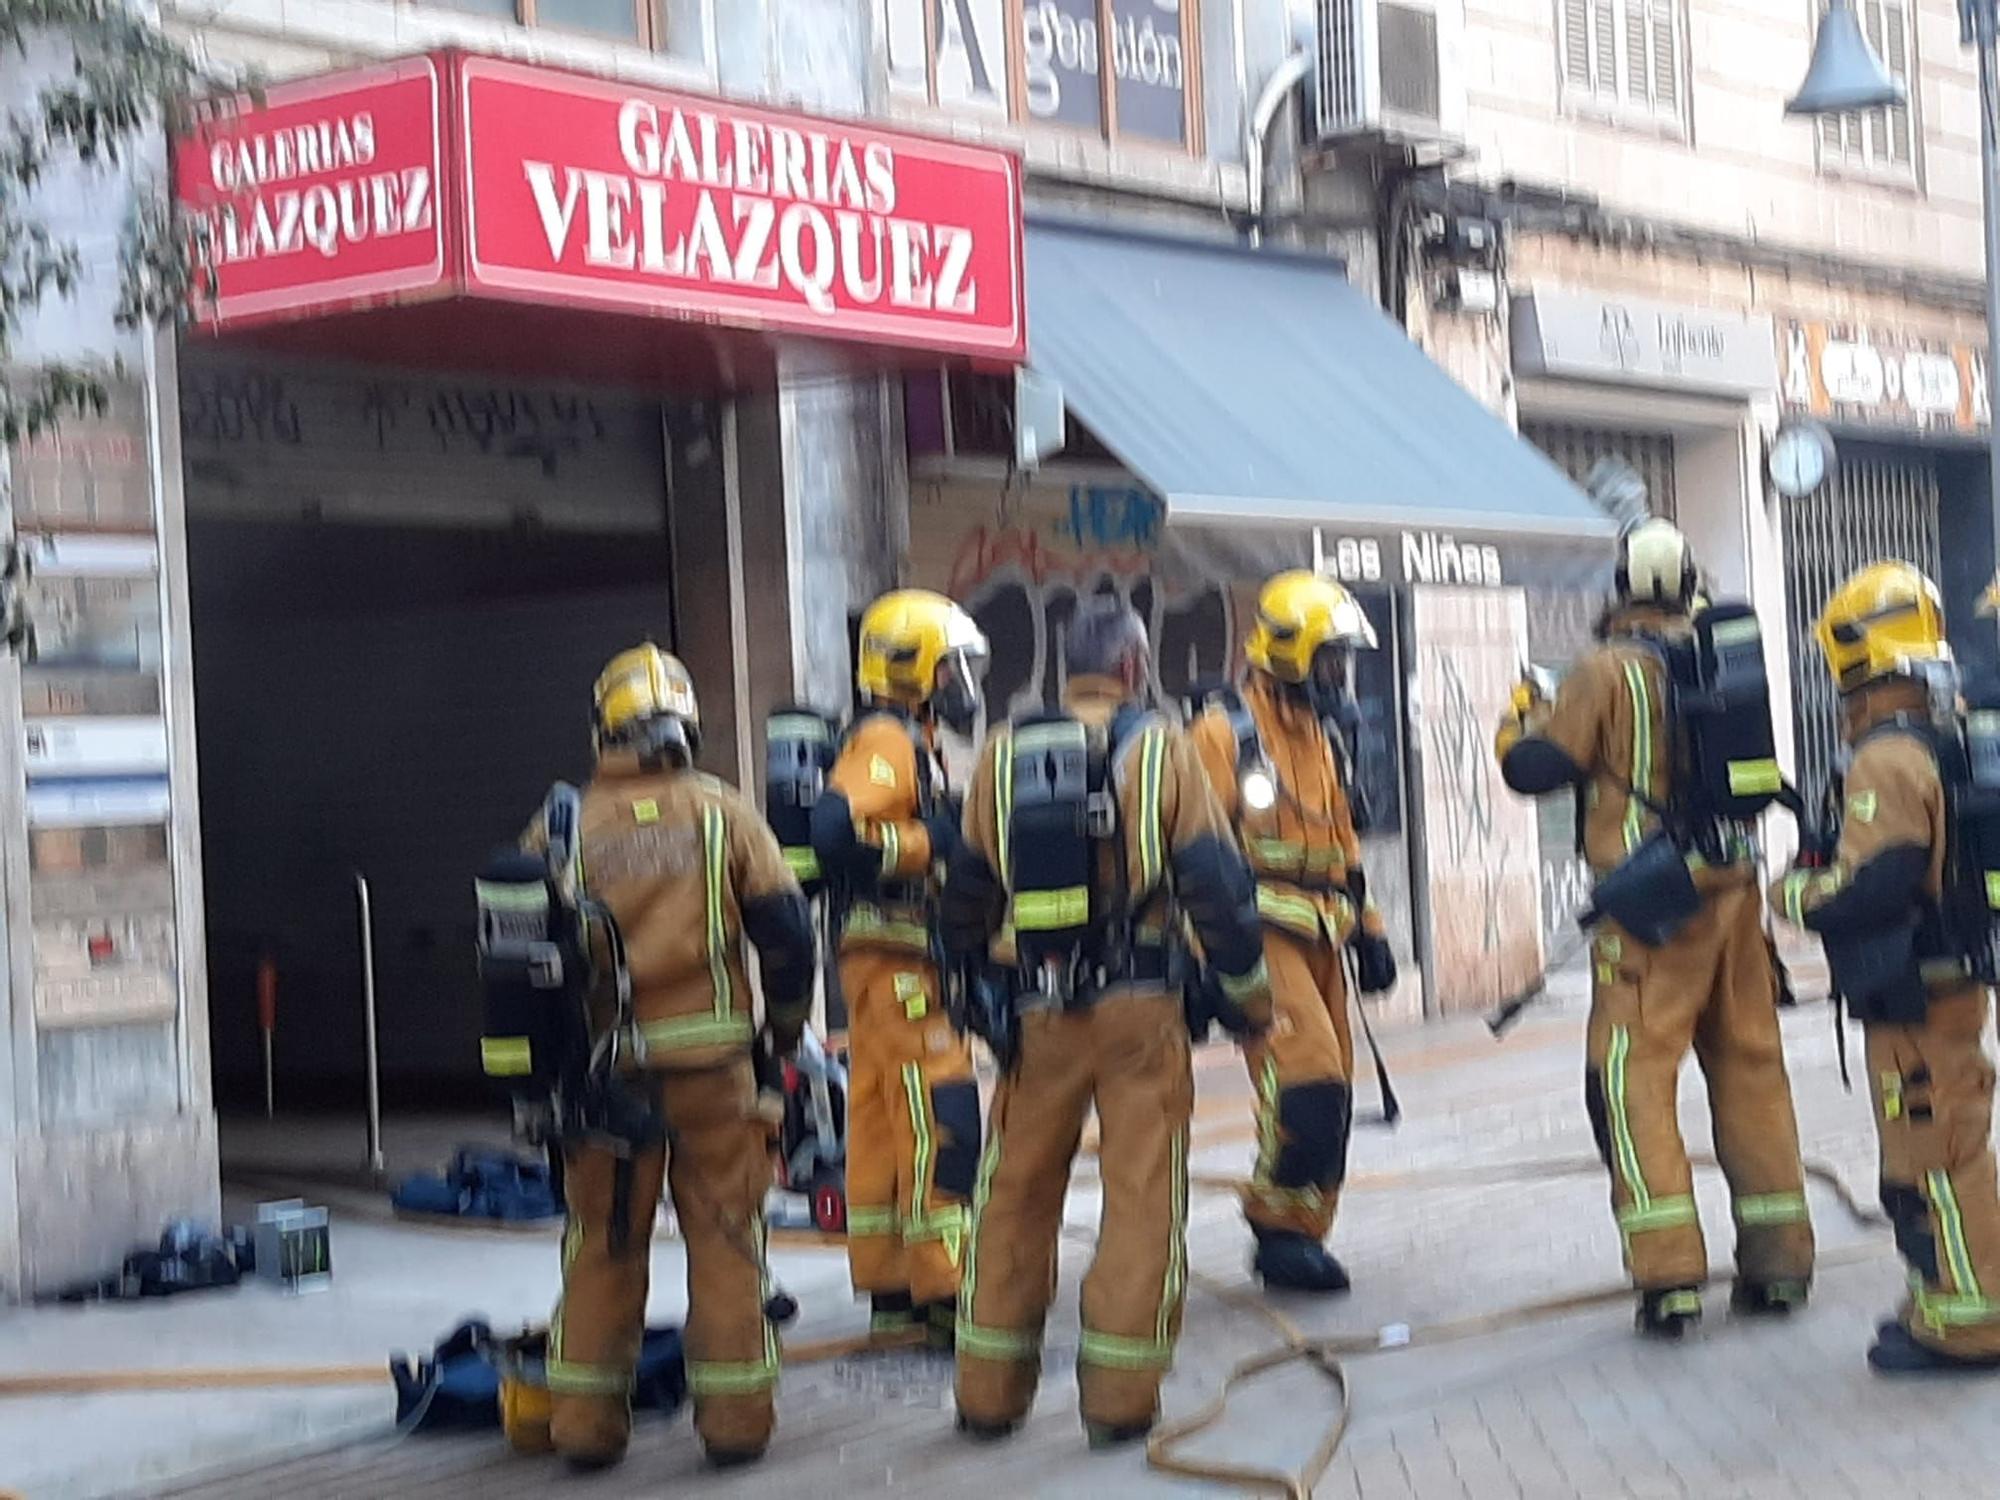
(562, 824)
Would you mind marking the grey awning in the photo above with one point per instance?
(1247, 385)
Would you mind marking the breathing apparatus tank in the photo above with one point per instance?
(1055, 804)
(1972, 878)
(535, 970)
(1722, 696)
(799, 746)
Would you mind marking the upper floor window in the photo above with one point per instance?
(1043, 61)
(620, 20)
(1625, 56)
(1876, 140)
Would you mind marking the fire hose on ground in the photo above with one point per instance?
(1295, 1346)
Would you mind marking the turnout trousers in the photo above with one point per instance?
(1933, 1091)
(912, 1130)
(1301, 1070)
(718, 1168)
(1713, 987)
(1128, 1056)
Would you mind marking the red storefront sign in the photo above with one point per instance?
(325, 196)
(467, 176)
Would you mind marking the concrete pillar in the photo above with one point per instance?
(106, 1125)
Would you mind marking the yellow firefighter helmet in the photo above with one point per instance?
(1299, 614)
(1879, 622)
(919, 648)
(644, 700)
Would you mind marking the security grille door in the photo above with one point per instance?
(1575, 450)
(1867, 511)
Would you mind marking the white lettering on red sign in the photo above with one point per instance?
(700, 208)
(323, 194)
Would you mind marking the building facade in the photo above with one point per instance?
(318, 598)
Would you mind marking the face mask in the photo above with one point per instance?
(956, 701)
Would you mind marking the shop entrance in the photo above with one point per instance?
(401, 589)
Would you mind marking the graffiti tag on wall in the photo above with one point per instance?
(1024, 584)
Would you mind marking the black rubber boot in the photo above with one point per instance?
(940, 1321)
(732, 1458)
(1669, 1313)
(986, 1432)
(1768, 1299)
(593, 1463)
(1297, 1262)
(1103, 1436)
(1896, 1352)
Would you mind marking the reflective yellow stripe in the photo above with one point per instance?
(920, 1123)
(506, 1056)
(1175, 1285)
(802, 862)
(1943, 1312)
(997, 1343)
(569, 1379)
(1627, 1152)
(1003, 802)
(1288, 911)
(1771, 1208)
(868, 924)
(1267, 1124)
(1121, 1353)
(1749, 778)
(706, 1379)
(1152, 838)
(696, 1031)
(892, 849)
(1642, 751)
(1241, 986)
(1661, 1213)
(509, 895)
(870, 1221)
(982, 1188)
(1044, 911)
(1278, 851)
(1993, 888)
(715, 861)
(1951, 1231)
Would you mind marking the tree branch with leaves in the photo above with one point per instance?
(127, 82)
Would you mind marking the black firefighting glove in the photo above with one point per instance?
(1208, 1005)
(1374, 962)
(942, 825)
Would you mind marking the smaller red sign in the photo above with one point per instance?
(606, 194)
(324, 195)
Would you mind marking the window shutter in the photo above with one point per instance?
(1666, 58)
(1638, 69)
(1896, 55)
(1604, 46)
(1576, 41)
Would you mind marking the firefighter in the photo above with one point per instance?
(1278, 761)
(1910, 962)
(882, 831)
(1097, 1022)
(688, 869)
(1608, 739)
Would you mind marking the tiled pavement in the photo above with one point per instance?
(1573, 1406)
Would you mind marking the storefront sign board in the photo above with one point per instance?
(458, 176)
(1883, 378)
(1591, 336)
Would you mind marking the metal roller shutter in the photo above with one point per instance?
(1868, 510)
(1575, 449)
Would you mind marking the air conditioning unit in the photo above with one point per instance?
(1388, 71)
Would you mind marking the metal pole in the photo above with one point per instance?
(375, 1161)
(1984, 17)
